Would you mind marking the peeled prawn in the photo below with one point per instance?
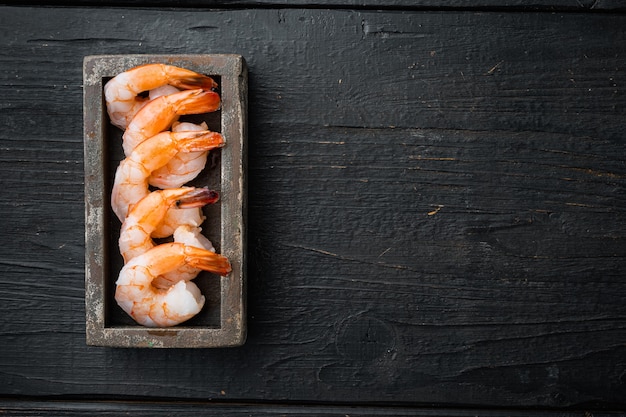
(184, 166)
(154, 307)
(159, 114)
(123, 92)
(190, 236)
(131, 178)
(145, 216)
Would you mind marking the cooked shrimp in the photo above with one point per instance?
(184, 166)
(122, 93)
(131, 178)
(145, 216)
(154, 307)
(159, 114)
(190, 236)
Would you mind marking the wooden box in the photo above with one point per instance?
(222, 321)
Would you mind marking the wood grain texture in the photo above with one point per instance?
(511, 5)
(14, 408)
(436, 207)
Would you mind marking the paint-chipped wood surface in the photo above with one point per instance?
(436, 208)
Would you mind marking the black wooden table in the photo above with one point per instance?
(436, 210)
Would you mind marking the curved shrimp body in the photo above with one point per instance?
(159, 114)
(184, 166)
(122, 93)
(155, 307)
(145, 216)
(190, 236)
(131, 178)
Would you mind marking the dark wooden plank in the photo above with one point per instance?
(608, 5)
(15, 408)
(436, 207)
(512, 5)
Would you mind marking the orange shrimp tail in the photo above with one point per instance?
(186, 79)
(197, 197)
(200, 81)
(198, 141)
(198, 101)
(207, 260)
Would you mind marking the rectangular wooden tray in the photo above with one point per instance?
(222, 321)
